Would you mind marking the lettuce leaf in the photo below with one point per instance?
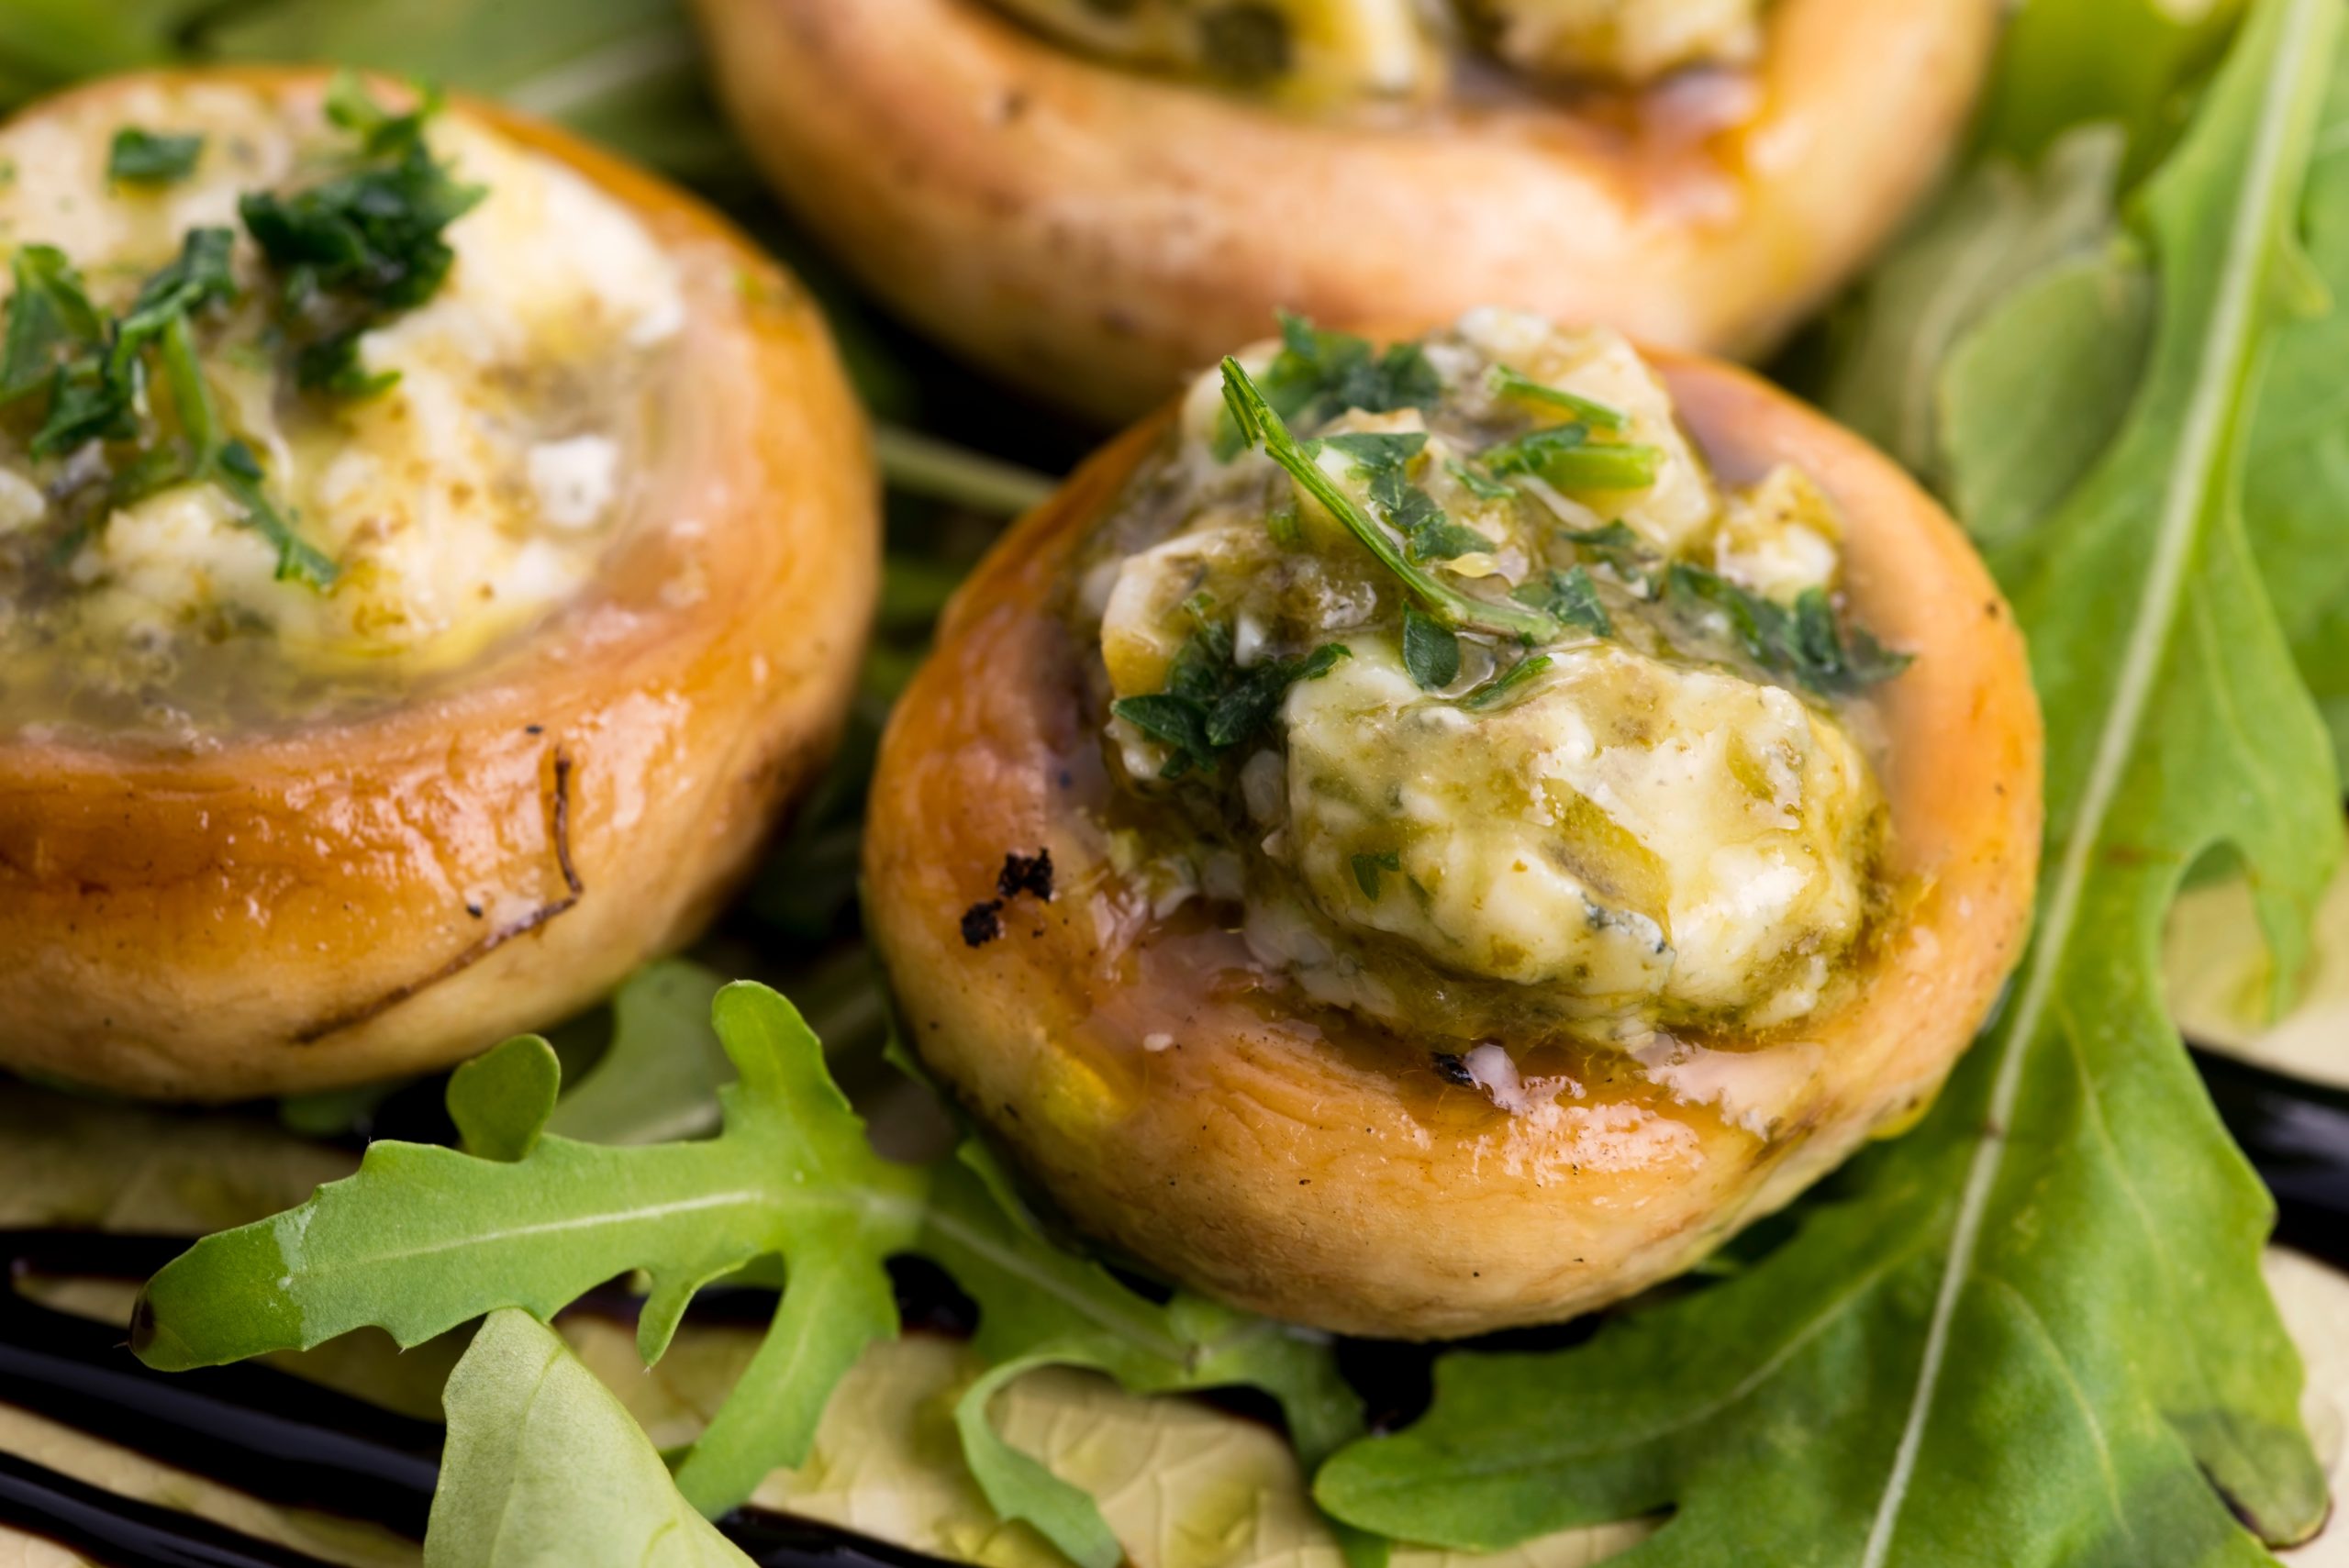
(2031, 1331)
(423, 1238)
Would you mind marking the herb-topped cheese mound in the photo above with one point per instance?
(301, 403)
(1331, 50)
(1458, 671)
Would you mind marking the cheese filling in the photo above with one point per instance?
(465, 479)
(1329, 51)
(1598, 762)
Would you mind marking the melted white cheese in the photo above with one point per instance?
(1632, 831)
(480, 490)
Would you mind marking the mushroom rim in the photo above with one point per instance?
(1920, 1001)
(1107, 209)
(124, 838)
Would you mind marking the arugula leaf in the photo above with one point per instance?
(1570, 595)
(149, 157)
(1431, 653)
(2031, 1331)
(1258, 422)
(541, 1455)
(660, 1077)
(423, 1238)
(2296, 473)
(1803, 641)
(2124, 63)
(1999, 227)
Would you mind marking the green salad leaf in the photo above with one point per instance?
(2297, 473)
(423, 1238)
(2031, 1331)
(543, 1467)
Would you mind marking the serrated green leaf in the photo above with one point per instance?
(2032, 1331)
(660, 1077)
(1999, 227)
(500, 1099)
(544, 1469)
(422, 1239)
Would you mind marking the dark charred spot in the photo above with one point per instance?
(1026, 874)
(1451, 1070)
(981, 923)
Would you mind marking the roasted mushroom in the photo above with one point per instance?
(430, 552)
(1428, 838)
(1094, 200)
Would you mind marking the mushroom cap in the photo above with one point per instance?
(1095, 235)
(313, 906)
(1317, 1166)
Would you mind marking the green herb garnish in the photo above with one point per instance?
(150, 158)
(1384, 460)
(1258, 422)
(790, 1192)
(49, 313)
(1492, 692)
(1599, 416)
(1571, 596)
(1479, 485)
(2068, 1245)
(1210, 705)
(1367, 867)
(1565, 456)
(1803, 641)
(1431, 651)
(1318, 374)
(360, 249)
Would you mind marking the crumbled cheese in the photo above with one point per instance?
(481, 489)
(574, 479)
(1630, 829)
(1623, 40)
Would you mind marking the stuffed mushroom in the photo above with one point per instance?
(1433, 837)
(1094, 200)
(430, 553)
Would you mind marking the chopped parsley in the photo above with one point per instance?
(1571, 596)
(1481, 486)
(1507, 383)
(1430, 652)
(1259, 421)
(151, 158)
(1367, 867)
(1384, 460)
(49, 315)
(1318, 374)
(1803, 641)
(348, 254)
(1210, 705)
(361, 248)
(1565, 456)
(1492, 692)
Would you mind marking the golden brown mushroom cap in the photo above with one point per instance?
(1310, 1164)
(300, 908)
(1095, 235)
